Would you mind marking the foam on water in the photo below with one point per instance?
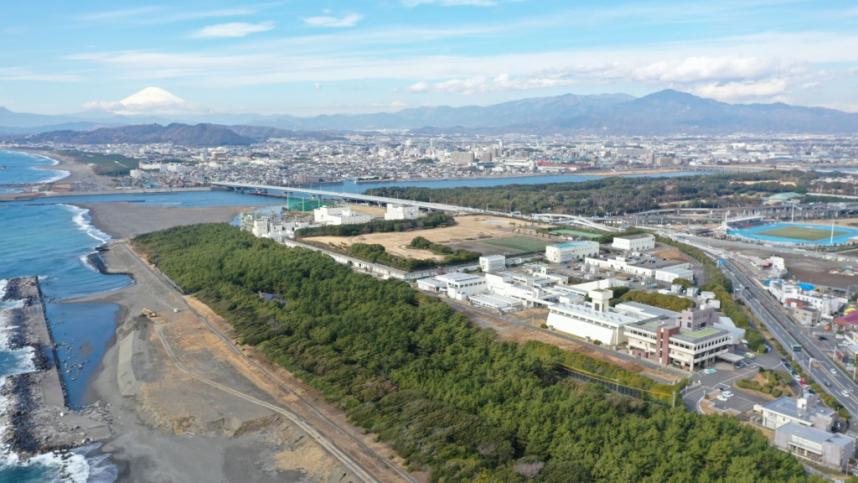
(82, 220)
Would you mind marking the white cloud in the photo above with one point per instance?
(332, 21)
(232, 30)
(696, 69)
(25, 74)
(482, 84)
(742, 91)
(451, 3)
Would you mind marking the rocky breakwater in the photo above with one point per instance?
(38, 418)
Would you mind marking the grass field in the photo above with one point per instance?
(802, 233)
(521, 244)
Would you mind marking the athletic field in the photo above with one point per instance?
(520, 244)
(582, 234)
(798, 234)
(802, 233)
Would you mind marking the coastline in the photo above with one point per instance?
(40, 423)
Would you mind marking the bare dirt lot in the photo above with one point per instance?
(469, 230)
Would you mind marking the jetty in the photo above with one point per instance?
(39, 418)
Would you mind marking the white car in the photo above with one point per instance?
(722, 397)
(833, 371)
(846, 393)
(727, 394)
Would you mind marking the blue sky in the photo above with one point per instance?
(304, 58)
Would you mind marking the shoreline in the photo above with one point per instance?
(40, 420)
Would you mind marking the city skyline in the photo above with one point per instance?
(277, 57)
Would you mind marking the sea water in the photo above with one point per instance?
(18, 168)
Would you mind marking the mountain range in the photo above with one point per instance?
(666, 112)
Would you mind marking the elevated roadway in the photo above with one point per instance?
(545, 217)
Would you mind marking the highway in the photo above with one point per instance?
(547, 217)
(770, 312)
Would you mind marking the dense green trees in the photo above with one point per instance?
(447, 396)
(431, 220)
(612, 194)
(665, 301)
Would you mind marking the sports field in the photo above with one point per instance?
(802, 233)
(521, 244)
(798, 234)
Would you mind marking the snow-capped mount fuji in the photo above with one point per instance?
(153, 99)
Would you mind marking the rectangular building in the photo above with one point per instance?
(804, 411)
(566, 252)
(462, 285)
(329, 215)
(401, 212)
(634, 243)
(822, 447)
(596, 322)
(492, 263)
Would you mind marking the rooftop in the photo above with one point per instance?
(575, 244)
(634, 237)
(457, 277)
(789, 407)
(586, 312)
(696, 335)
(815, 435)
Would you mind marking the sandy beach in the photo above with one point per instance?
(127, 220)
(81, 176)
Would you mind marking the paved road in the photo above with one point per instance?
(833, 379)
(779, 323)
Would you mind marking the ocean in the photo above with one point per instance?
(51, 238)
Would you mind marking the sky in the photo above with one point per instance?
(311, 57)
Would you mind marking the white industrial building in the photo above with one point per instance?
(575, 250)
(634, 243)
(492, 263)
(662, 271)
(495, 302)
(329, 215)
(822, 447)
(401, 212)
(461, 285)
(804, 411)
(786, 291)
(597, 321)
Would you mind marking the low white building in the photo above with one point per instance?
(461, 285)
(492, 263)
(401, 212)
(634, 243)
(786, 291)
(329, 215)
(804, 411)
(660, 271)
(575, 250)
(597, 321)
(833, 450)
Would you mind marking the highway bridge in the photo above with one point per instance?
(544, 217)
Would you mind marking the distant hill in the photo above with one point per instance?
(182, 134)
(663, 113)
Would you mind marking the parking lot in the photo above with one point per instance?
(717, 382)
